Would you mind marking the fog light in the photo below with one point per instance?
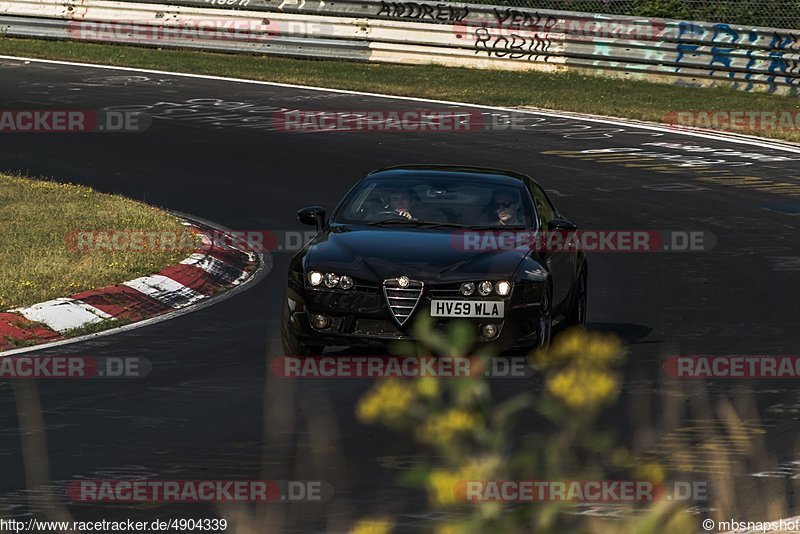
(314, 278)
(489, 331)
(320, 321)
(346, 282)
(331, 280)
(467, 289)
(485, 288)
(503, 288)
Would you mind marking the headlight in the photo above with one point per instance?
(345, 282)
(503, 288)
(320, 321)
(467, 289)
(331, 280)
(485, 288)
(314, 278)
(489, 331)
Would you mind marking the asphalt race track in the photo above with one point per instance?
(209, 408)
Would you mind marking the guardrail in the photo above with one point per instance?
(671, 51)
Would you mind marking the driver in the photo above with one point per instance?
(401, 202)
(505, 207)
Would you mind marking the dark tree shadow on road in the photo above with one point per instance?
(630, 334)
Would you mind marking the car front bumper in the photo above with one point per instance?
(363, 318)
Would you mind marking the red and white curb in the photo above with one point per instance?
(203, 274)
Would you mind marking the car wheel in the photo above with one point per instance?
(294, 347)
(577, 314)
(544, 328)
(290, 342)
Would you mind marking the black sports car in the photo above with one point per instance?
(449, 242)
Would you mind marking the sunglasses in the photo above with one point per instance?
(504, 204)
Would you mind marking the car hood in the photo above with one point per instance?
(431, 255)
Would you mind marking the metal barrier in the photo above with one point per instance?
(672, 51)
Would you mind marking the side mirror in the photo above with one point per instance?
(562, 225)
(312, 216)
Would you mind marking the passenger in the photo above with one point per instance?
(505, 209)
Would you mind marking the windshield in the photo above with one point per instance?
(442, 201)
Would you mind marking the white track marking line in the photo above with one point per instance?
(63, 314)
(703, 134)
(215, 266)
(166, 290)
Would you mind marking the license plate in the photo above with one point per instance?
(480, 309)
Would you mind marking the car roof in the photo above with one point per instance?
(498, 176)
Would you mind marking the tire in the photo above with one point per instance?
(292, 346)
(290, 342)
(577, 313)
(544, 328)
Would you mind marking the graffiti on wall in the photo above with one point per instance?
(422, 11)
(515, 34)
(705, 52)
(532, 47)
(727, 50)
(524, 20)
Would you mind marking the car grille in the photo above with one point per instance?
(402, 301)
(447, 291)
(375, 327)
(364, 287)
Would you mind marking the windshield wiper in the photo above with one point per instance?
(439, 224)
(495, 227)
(416, 223)
(403, 222)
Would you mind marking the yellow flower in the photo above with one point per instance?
(388, 400)
(602, 349)
(580, 388)
(446, 486)
(650, 471)
(428, 386)
(442, 428)
(442, 486)
(373, 525)
(578, 345)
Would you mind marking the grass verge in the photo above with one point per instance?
(568, 91)
(92, 328)
(37, 218)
